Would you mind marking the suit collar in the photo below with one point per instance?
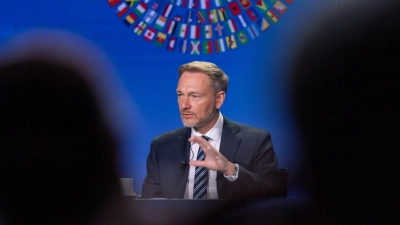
(229, 146)
(181, 154)
(229, 141)
(230, 126)
(183, 143)
(215, 133)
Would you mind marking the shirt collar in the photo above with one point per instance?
(214, 133)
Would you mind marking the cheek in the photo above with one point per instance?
(203, 109)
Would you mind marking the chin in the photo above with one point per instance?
(188, 124)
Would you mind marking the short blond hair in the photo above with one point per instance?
(218, 77)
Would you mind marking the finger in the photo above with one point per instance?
(197, 139)
(197, 163)
(204, 144)
(201, 141)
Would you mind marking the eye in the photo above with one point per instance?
(195, 96)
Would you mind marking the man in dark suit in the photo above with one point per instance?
(240, 160)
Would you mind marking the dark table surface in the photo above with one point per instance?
(246, 211)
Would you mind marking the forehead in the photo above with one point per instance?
(194, 81)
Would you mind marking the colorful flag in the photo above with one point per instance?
(280, 7)
(171, 27)
(212, 16)
(253, 32)
(178, 18)
(219, 45)
(242, 37)
(261, 5)
(207, 47)
(234, 8)
(189, 16)
(245, 3)
(150, 16)
(196, 4)
(223, 15)
(195, 47)
(140, 27)
(253, 15)
(219, 29)
(192, 4)
(183, 30)
(171, 43)
(263, 24)
(208, 31)
(131, 2)
(181, 2)
(184, 46)
(231, 42)
(242, 21)
(218, 3)
(141, 8)
(155, 6)
(160, 38)
(194, 32)
(231, 26)
(167, 10)
(113, 3)
(130, 19)
(149, 34)
(122, 9)
(204, 4)
(272, 16)
(160, 22)
(201, 15)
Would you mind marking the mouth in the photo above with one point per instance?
(186, 115)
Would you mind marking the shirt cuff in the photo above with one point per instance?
(233, 177)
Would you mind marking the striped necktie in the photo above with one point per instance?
(200, 176)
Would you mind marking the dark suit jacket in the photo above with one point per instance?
(247, 146)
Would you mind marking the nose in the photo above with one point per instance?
(184, 103)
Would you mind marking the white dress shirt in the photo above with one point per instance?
(215, 140)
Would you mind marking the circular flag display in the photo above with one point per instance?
(199, 26)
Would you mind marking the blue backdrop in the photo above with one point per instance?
(145, 40)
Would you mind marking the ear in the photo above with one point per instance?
(219, 99)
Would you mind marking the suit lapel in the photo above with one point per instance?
(181, 153)
(229, 142)
(228, 148)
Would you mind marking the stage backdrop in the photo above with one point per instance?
(147, 40)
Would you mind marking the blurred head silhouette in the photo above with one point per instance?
(345, 92)
(57, 149)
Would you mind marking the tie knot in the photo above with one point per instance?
(206, 137)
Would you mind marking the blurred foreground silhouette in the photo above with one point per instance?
(58, 149)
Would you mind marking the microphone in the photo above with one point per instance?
(183, 165)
